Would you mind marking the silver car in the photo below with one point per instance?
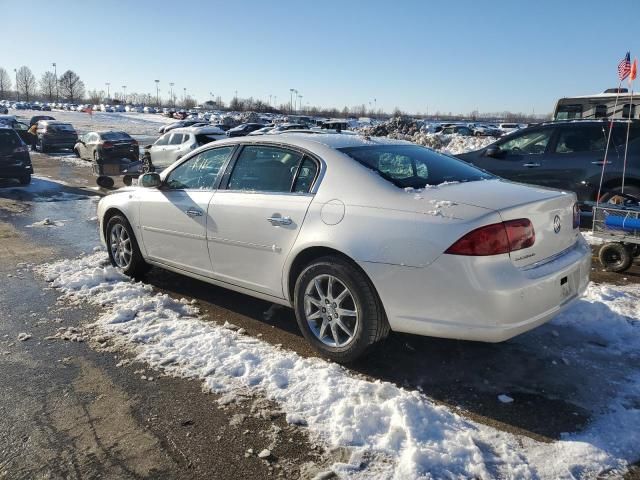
(178, 142)
(359, 235)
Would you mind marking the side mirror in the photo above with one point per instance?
(493, 151)
(150, 180)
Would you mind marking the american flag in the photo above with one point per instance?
(624, 67)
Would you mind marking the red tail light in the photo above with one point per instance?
(495, 239)
(576, 216)
(134, 142)
(107, 145)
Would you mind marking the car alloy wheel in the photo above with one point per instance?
(330, 311)
(120, 246)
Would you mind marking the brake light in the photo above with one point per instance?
(107, 145)
(576, 216)
(134, 142)
(495, 239)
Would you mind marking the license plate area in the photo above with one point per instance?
(111, 169)
(569, 285)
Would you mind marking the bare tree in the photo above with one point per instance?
(48, 85)
(26, 82)
(71, 87)
(95, 97)
(5, 83)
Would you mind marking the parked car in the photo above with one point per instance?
(36, 118)
(457, 130)
(507, 128)
(283, 127)
(484, 130)
(107, 145)
(180, 124)
(329, 225)
(3, 110)
(262, 131)
(178, 142)
(244, 129)
(52, 135)
(46, 107)
(21, 128)
(149, 110)
(36, 106)
(566, 155)
(15, 161)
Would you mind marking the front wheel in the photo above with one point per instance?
(123, 249)
(25, 179)
(338, 310)
(615, 257)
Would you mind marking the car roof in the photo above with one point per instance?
(313, 140)
(196, 130)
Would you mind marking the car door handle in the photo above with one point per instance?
(276, 221)
(531, 165)
(601, 162)
(194, 212)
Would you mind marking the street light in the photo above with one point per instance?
(157, 93)
(124, 87)
(55, 76)
(108, 84)
(173, 100)
(184, 97)
(299, 102)
(15, 70)
(291, 90)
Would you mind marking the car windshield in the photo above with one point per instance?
(414, 166)
(115, 136)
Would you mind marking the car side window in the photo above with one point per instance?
(531, 143)
(199, 172)
(176, 139)
(306, 175)
(20, 126)
(264, 169)
(163, 140)
(586, 139)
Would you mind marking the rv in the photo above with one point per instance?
(600, 105)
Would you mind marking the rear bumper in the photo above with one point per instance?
(480, 298)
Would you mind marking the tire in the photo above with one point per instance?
(612, 195)
(25, 179)
(127, 180)
(363, 331)
(128, 260)
(615, 257)
(147, 166)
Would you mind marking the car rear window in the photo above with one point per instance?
(9, 140)
(60, 127)
(113, 136)
(414, 166)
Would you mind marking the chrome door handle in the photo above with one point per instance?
(193, 212)
(275, 221)
(531, 165)
(601, 162)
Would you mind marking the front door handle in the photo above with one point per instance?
(601, 162)
(531, 165)
(194, 212)
(276, 221)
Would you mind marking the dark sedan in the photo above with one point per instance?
(15, 161)
(244, 129)
(567, 156)
(105, 146)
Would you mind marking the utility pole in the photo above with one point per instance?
(55, 76)
(173, 100)
(299, 102)
(15, 70)
(124, 87)
(291, 90)
(184, 97)
(157, 92)
(108, 84)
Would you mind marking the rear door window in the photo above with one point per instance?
(582, 139)
(265, 169)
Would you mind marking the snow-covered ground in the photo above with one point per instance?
(394, 432)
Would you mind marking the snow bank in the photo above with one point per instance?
(404, 432)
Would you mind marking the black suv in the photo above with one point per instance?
(15, 161)
(55, 135)
(568, 156)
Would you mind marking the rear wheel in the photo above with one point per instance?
(615, 257)
(25, 179)
(43, 146)
(147, 166)
(338, 310)
(615, 195)
(123, 249)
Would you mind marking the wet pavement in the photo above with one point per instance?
(83, 416)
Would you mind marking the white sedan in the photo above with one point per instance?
(359, 235)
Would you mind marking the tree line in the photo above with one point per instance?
(68, 86)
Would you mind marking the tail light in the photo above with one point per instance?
(107, 145)
(134, 142)
(576, 216)
(21, 149)
(495, 239)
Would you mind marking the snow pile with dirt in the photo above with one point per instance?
(393, 432)
(417, 132)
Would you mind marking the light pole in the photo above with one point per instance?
(124, 87)
(173, 100)
(299, 102)
(291, 90)
(184, 97)
(55, 77)
(108, 84)
(157, 93)
(15, 70)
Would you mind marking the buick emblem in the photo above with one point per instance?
(556, 224)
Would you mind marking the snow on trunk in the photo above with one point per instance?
(405, 433)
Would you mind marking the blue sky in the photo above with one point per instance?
(417, 55)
